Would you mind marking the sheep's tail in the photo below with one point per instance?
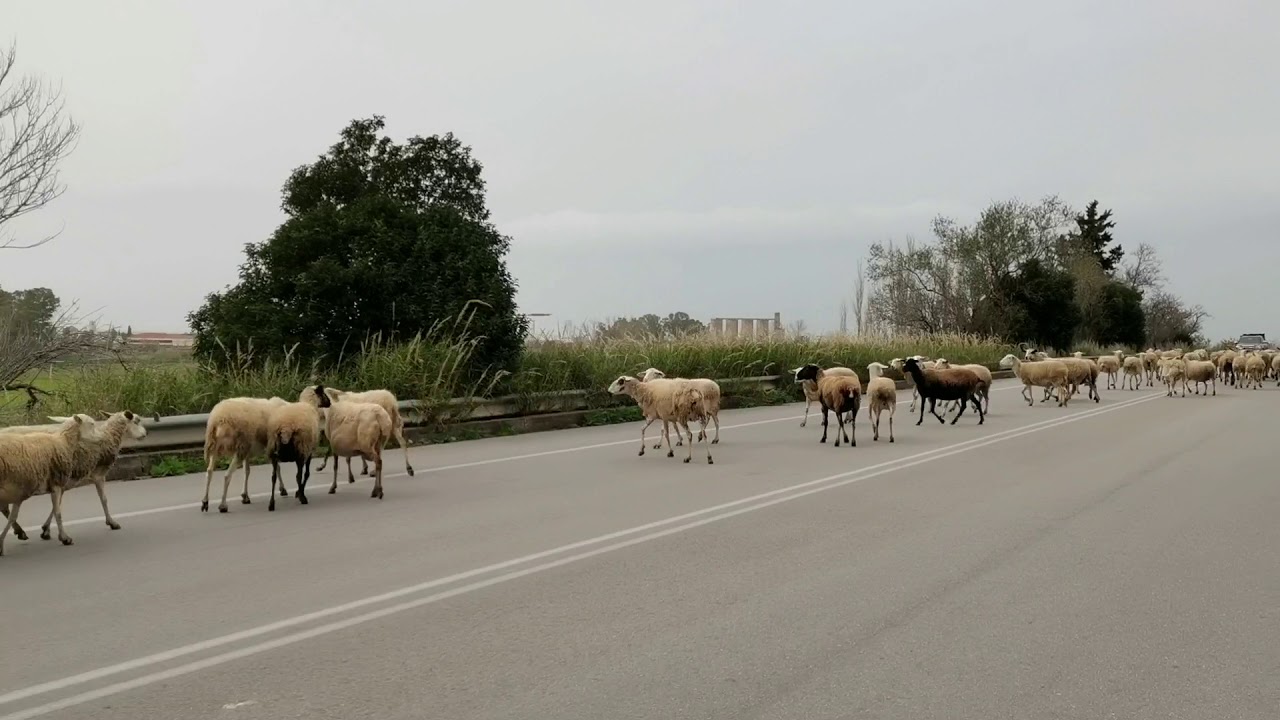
(284, 436)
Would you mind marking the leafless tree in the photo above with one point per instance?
(1142, 269)
(35, 136)
(24, 350)
(844, 318)
(859, 302)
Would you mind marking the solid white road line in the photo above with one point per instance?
(752, 503)
(440, 468)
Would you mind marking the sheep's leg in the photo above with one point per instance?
(275, 474)
(964, 403)
(1215, 387)
(933, 409)
(825, 423)
(914, 394)
(671, 449)
(840, 427)
(658, 445)
(648, 422)
(715, 419)
(13, 517)
(351, 477)
(853, 428)
(921, 414)
(977, 405)
(100, 483)
(56, 491)
(364, 466)
(891, 410)
(208, 481)
(377, 468)
(688, 457)
(805, 419)
(710, 461)
(226, 483)
(304, 474)
(404, 445)
(334, 487)
(17, 529)
(1027, 395)
(874, 418)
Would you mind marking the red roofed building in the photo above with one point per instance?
(162, 339)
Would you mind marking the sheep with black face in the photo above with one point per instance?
(950, 384)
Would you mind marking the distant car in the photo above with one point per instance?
(1254, 341)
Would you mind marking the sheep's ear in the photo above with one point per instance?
(128, 415)
(59, 418)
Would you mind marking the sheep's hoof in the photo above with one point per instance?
(377, 493)
(204, 506)
(716, 441)
(364, 472)
(409, 469)
(685, 460)
(244, 499)
(272, 506)
(642, 452)
(113, 525)
(296, 493)
(222, 508)
(351, 479)
(44, 534)
(333, 490)
(20, 535)
(302, 499)
(657, 446)
(66, 540)
(671, 453)
(891, 437)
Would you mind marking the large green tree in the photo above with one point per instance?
(380, 238)
(1041, 305)
(1093, 237)
(30, 311)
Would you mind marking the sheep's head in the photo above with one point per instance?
(876, 369)
(1077, 354)
(941, 364)
(652, 374)
(808, 372)
(911, 366)
(1008, 360)
(619, 386)
(72, 428)
(319, 397)
(896, 364)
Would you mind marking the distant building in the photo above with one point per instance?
(154, 339)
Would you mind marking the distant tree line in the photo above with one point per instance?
(1029, 272)
(672, 327)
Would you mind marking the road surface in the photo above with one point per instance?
(1107, 560)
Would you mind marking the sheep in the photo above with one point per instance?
(654, 398)
(841, 394)
(1044, 373)
(882, 395)
(1268, 358)
(951, 384)
(711, 395)
(690, 403)
(1150, 363)
(1030, 354)
(1226, 366)
(1110, 364)
(1133, 370)
(386, 399)
(1254, 368)
(898, 364)
(1275, 368)
(237, 428)
(31, 463)
(1202, 372)
(983, 372)
(95, 453)
(810, 387)
(293, 435)
(358, 428)
(1175, 369)
(1238, 366)
(712, 401)
(1079, 372)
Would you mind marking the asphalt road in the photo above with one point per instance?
(1107, 560)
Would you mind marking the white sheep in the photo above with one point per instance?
(95, 453)
(1110, 364)
(810, 387)
(1133, 367)
(386, 399)
(31, 463)
(358, 428)
(656, 400)
(882, 395)
(293, 435)
(1254, 369)
(1173, 370)
(1041, 373)
(237, 428)
(1202, 372)
(711, 395)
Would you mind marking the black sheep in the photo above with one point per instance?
(951, 384)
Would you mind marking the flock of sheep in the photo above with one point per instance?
(79, 450)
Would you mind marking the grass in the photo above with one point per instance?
(434, 368)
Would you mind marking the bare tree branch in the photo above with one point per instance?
(24, 349)
(35, 136)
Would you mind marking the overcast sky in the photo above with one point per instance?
(720, 158)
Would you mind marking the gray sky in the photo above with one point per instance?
(721, 158)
